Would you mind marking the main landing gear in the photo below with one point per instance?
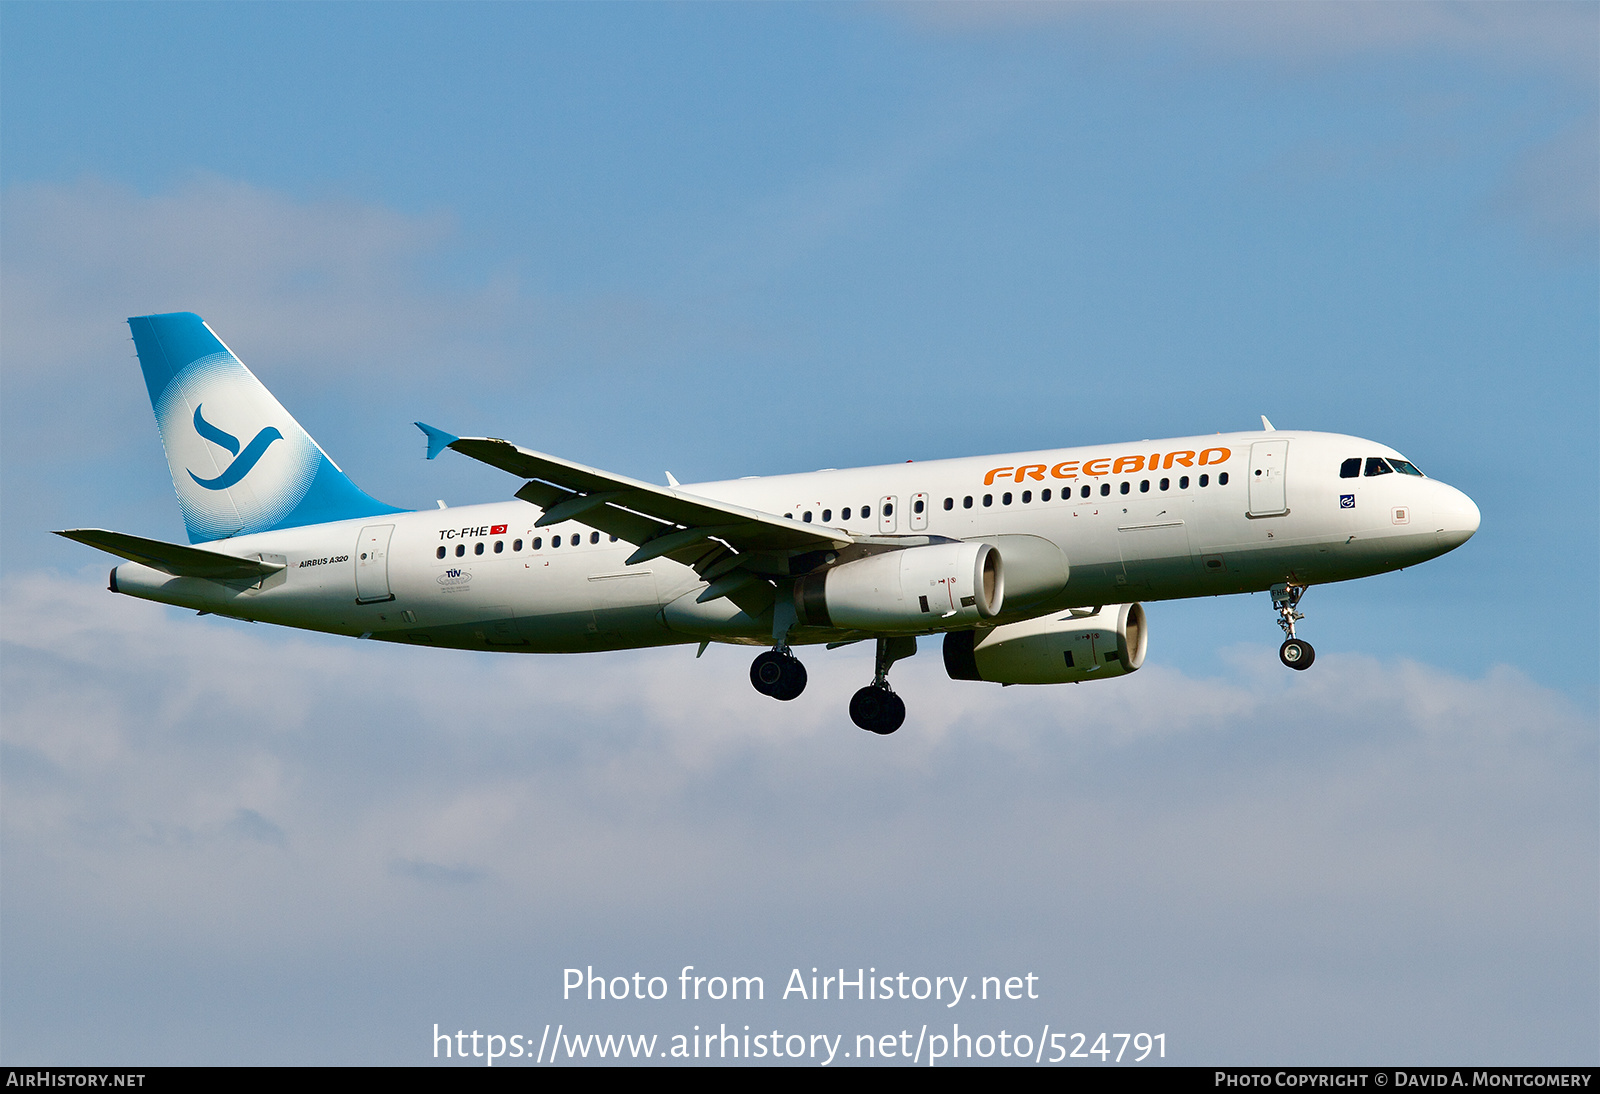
(778, 673)
(1296, 653)
(876, 708)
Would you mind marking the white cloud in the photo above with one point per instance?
(180, 782)
(308, 282)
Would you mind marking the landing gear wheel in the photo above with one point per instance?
(793, 681)
(877, 710)
(1297, 653)
(779, 675)
(766, 672)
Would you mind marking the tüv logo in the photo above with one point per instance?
(243, 462)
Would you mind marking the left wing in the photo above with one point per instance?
(660, 521)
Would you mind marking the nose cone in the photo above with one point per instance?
(1457, 517)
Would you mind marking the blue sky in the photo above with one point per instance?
(724, 240)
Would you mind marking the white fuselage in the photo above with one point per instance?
(1262, 509)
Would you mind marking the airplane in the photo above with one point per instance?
(1032, 567)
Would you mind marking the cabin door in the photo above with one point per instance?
(1267, 462)
(372, 564)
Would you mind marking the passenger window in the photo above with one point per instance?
(1377, 466)
(1027, 496)
(988, 500)
(613, 539)
(477, 548)
(555, 541)
(1183, 482)
(1044, 495)
(949, 504)
(966, 502)
(1205, 480)
(1222, 479)
(1085, 491)
(1166, 484)
(538, 543)
(594, 537)
(516, 545)
(866, 512)
(806, 516)
(888, 509)
(441, 552)
(1144, 486)
(576, 538)
(1125, 487)
(1105, 490)
(499, 546)
(827, 516)
(917, 506)
(461, 549)
(1350, 468)
(1005, 499)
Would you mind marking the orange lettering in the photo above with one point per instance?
(1127, 464)
(1031, 471)
(1067, 470)
(988, 480)
(1104, 464)
(1222, 456)
(1184, 458)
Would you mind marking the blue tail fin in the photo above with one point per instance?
(206, 401)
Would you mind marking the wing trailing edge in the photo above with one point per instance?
(634, 510)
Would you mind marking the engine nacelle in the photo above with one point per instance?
(913, 589)
(1053, 649)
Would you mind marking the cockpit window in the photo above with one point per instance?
(1405, 467)
(1377, 465)
(1350, 468)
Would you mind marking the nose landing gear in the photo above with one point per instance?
(876, 708)
(1296, 653)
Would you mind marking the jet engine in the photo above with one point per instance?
(914, 589)
(1053, 649)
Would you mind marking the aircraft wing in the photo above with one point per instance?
(660, 520)
(173, 558)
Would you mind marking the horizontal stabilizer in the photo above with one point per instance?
(173, 558)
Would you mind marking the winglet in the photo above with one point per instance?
(438, 439)
(1264, 425)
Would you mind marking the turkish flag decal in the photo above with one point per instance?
(498, 530)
